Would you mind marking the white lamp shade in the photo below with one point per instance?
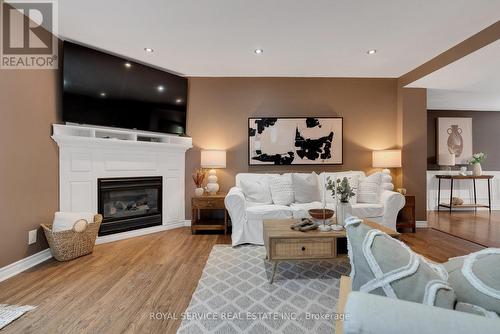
(213, 159)
(446, 159)
(386, 159)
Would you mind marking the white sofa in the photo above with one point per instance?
(247, 217)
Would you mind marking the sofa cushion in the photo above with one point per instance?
(281, 189)
(366, 210)
(369, 188)
(360, 210)
(64, 221)
(300, 210)
(256, 191)
(305, 187)
(385, 266)
(273, 211)
(476, 278)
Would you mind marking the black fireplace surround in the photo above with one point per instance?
(129, 203)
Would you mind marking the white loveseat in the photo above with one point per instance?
(247, 217)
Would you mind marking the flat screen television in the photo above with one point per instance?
(106, 90)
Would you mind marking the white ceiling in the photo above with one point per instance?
(327, 38)
(470, 83)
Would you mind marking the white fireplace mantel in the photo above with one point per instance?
(87, 153)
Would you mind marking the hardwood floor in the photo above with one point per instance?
(119, 286)
(480, 227)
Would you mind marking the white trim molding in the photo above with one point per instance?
(463, 189)
(421, 224)
(143, 231)
(24, 264)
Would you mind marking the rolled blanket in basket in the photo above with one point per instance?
(64, 221)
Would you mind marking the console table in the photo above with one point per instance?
(452, 178)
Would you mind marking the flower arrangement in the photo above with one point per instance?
(477, 158)
(341, 188)
(199, 177)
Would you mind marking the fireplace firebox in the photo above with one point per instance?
(129, 203)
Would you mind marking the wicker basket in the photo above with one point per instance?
(68, 245)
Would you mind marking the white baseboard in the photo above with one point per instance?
(31, 261)
(24, 264)
(143, 231)
(421, 224)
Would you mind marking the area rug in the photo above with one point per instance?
(9, 313)
(235, 296)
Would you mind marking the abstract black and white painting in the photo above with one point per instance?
(295, 141)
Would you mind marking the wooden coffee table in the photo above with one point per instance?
(284, 244)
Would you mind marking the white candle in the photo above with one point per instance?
(324, 191)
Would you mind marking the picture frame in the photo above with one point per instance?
(295, 141)
(454, 136)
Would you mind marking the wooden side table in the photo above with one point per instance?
(406, 216)
(208, 202)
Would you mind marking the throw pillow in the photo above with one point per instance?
(385, 266)
(369, 189)
(474, 309)
(476, 278)
(281, 189)
(256, 191)
(305, 187)
(64, 221)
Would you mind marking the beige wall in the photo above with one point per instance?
(28, 160)
(412, 107)
(218, 110)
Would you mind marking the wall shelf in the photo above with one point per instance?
(96, 133)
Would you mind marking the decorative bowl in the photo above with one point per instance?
(321, 214)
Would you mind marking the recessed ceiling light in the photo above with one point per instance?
(371, 52)
(179, 100)
(103, 94)
(149, 50)
(128, 65)
(258, 51)
(160, 88)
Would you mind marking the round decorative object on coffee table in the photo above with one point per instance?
(321, 214)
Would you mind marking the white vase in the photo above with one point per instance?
(212, 185)
(198, 192)
(344, 209)
(476, 169)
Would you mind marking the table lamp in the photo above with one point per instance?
(386, 159)
(447, 160)
(213, 159)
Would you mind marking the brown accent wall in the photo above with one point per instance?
(29, 160)
(485, 135)
(412, 108)
(218, 110)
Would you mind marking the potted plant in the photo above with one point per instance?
(198, 178)
(342, 190)
(475, 161)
